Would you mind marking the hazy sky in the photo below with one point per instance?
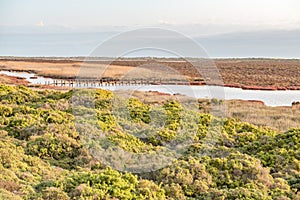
(225, 28)
(282, 14)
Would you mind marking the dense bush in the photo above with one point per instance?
(44, 154)
(139, 112)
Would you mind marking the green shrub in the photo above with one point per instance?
(5, 111)
(53, 146)
(139, 112)
(44, 154)
(103, 99)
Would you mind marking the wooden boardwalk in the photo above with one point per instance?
(117, 82)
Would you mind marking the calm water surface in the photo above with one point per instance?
(270, 98)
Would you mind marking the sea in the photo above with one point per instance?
(276, 44)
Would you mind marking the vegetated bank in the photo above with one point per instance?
(44, 156)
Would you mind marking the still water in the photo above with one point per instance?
(270, 98)
(28, 77)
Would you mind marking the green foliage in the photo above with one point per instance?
(45, 155)
(107, 184)
(173, 124)
(164, 135)
(56, 117)
(281, 153)
(53, 146)
(190, 175)
(20, 172)
(139, 112)
(54, 193)
(203, 125)
(129, 142)
(19, 95)
(4, 194)
(149, 190)
(103, 99)
(174, 114)
(5, 111)
(237, 170)
(106, 120)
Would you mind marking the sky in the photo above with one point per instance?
(225, 28)
(277, 14)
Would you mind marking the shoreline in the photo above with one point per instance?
(243, 87)
(245, 73)
(83, 58)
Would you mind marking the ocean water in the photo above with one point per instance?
(60, 45)
(272, 44)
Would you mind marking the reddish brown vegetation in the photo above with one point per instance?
(12, 80)
(255, 74)
(261, 74)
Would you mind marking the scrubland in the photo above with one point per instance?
(49, 142)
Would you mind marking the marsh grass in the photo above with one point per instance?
(280, 118)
